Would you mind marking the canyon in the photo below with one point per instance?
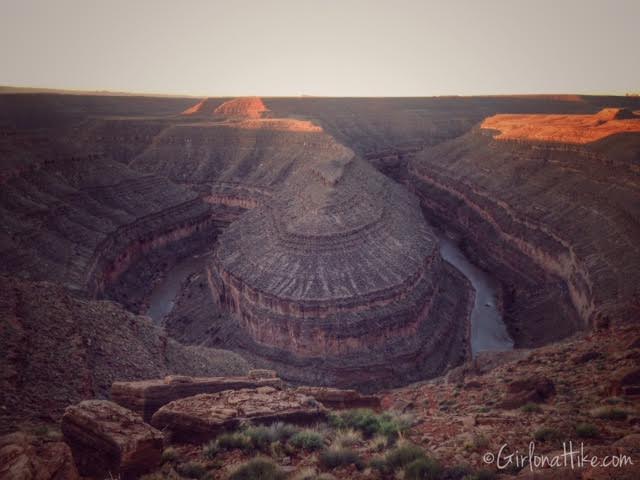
(305, 235)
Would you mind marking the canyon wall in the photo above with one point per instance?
(557, 225)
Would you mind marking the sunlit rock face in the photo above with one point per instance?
(340, 267)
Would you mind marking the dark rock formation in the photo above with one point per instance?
(108, 440)
(147, 396)
(202, 417)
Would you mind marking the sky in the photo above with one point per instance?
(324, 48)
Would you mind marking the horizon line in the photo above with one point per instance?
(19, 89)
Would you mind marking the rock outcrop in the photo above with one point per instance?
(335, 398)
(147, 396)
(202, 417)
(25, 457)
(109, 440)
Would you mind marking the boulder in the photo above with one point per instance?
(107, 439)
(24, 457)
(202, 417)
(532, 389)
(337, 398)
(147, 396)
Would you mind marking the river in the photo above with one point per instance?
(488, 331)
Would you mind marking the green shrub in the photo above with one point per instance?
(531, 408)
(422, 469)
(235, 440)
(258, 469)
(610, 413)
(337, 457)
(307, 440)
(191, 470)
(546, 434)
(369, 423)
(587, 430)
(403, 455)
(378, 443)
(169, 455)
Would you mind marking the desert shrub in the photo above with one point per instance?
(337, 457)
(422, 469)
(258, 469)
(169, 455)
(546, 434)
(587, 430)
(369, 423)
(378, 443)
(347, 438)
(235, 440)
(210, 450)
(403, 455)
(262, 437)
(610, 413)
(192, 470)
(363, 419)
(307, 440)
(531, 408)
(379, 464)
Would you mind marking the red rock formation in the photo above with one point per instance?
(243, 107)
(108, 440)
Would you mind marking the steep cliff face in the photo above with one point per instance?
(559, 226)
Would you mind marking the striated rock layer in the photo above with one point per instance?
(339, 267)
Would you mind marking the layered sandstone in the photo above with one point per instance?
(556, 223)
(110, 441)
(202, 417)
(339, 266)
(147, 396)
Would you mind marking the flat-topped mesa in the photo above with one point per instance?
(338, 267)
(242, 107)
(572, 129)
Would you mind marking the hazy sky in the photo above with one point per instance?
(342, 47)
